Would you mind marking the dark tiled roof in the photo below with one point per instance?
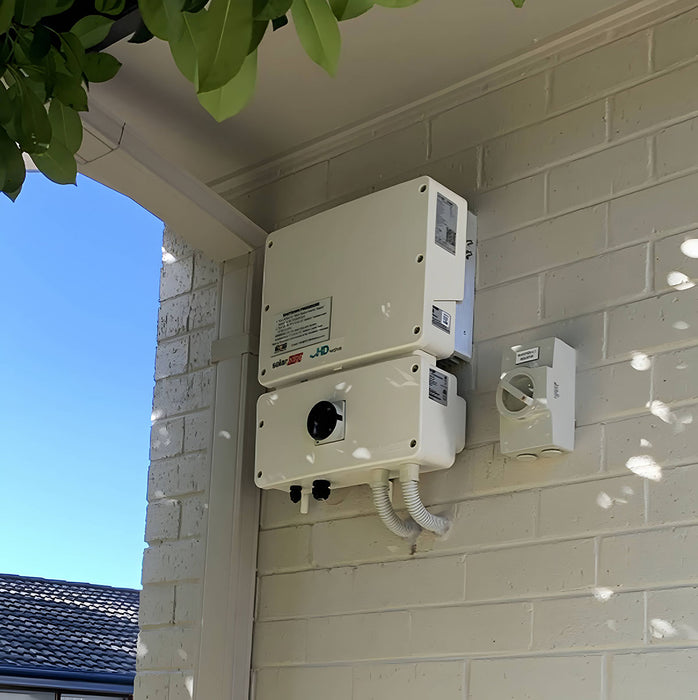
(67, 626)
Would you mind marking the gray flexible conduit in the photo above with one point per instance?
(394, 523)
(415, 507)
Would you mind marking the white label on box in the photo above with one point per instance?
(446, 223)
(304, 325)
(438, 387)
(441, 319)
(527, 355)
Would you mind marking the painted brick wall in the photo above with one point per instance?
(576, 577)
(178, 482)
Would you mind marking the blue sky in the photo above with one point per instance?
(79, 286)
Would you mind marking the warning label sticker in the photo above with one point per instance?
(446, 223)
(438, 387)
(441, 319)
(527, 355)
(304, 325)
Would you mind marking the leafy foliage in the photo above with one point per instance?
(50, 53)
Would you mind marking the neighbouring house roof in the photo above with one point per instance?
(49, 627)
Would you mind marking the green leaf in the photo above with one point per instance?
(194, 5)
(7, 10)
(92, 30)
(348, 9)
(66, 126)
(318, 32)
(7, 103)
(271, 9)
(162, 17)
(258, 31)
(73, 52)
(34, 128)
(70, 92)
(227, 36)
(518, 3)
(40, 43)
(58, 164)
(396, 3)
(141, 35)
(12, 168)
(110, 7)
(232, 97)
(100, 67)
(185, 47)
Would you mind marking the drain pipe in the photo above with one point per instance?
(380, 488)
(409, 480)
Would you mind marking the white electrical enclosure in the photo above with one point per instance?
(400, 411)
(374, 278)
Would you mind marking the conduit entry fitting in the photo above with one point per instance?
(353, 346)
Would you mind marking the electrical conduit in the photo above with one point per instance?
(380, 488)
(409, 480)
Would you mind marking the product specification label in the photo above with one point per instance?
(438, 387)
(446, 223)
(441, 319)
(304, 325)
(527, 355)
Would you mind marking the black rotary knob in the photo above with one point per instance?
(322, 420)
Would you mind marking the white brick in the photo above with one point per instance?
(482, 424)
(673, 498)
(200, 348)
(668, 259)
(176, 277)
(206, 271)
(530, 570)
(662, 208)
(565, 239)
(303, 683)
(171, 358)
(475, 629)
(173, 317)
(174, 245)
(675, 376)
(151, 686)
(166, 438)
(197, 430)
(173, 561)
(171, 648)
(183, 394)
(514, 155)
(458, 172)
(278, 511)
(283, 197)
(203, 309)
(598, 176)
(188, 602)
(156, 606)
(600, 70)
(431, 581)
(635, 676)
(604, 505)
(675, 40)
(509, 207)
(162, 521)
(284, 549)
(354, 540)
(583, 333)
(474, 526)
(666, 443)
(280, 643)
(181, 685)
(194, 516)
(649, 558)
(305, 593)
(178, 476)
(487, 116)
(653, 324)
(656, 101)
(444, 679)
(588, 623)
(378, 636)
(578, 678)
(505, 309)
(596, 283)
(672, 616)
(677, 148)
(378, 160)
(610, 391)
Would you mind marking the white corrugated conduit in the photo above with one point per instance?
(421, 517)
